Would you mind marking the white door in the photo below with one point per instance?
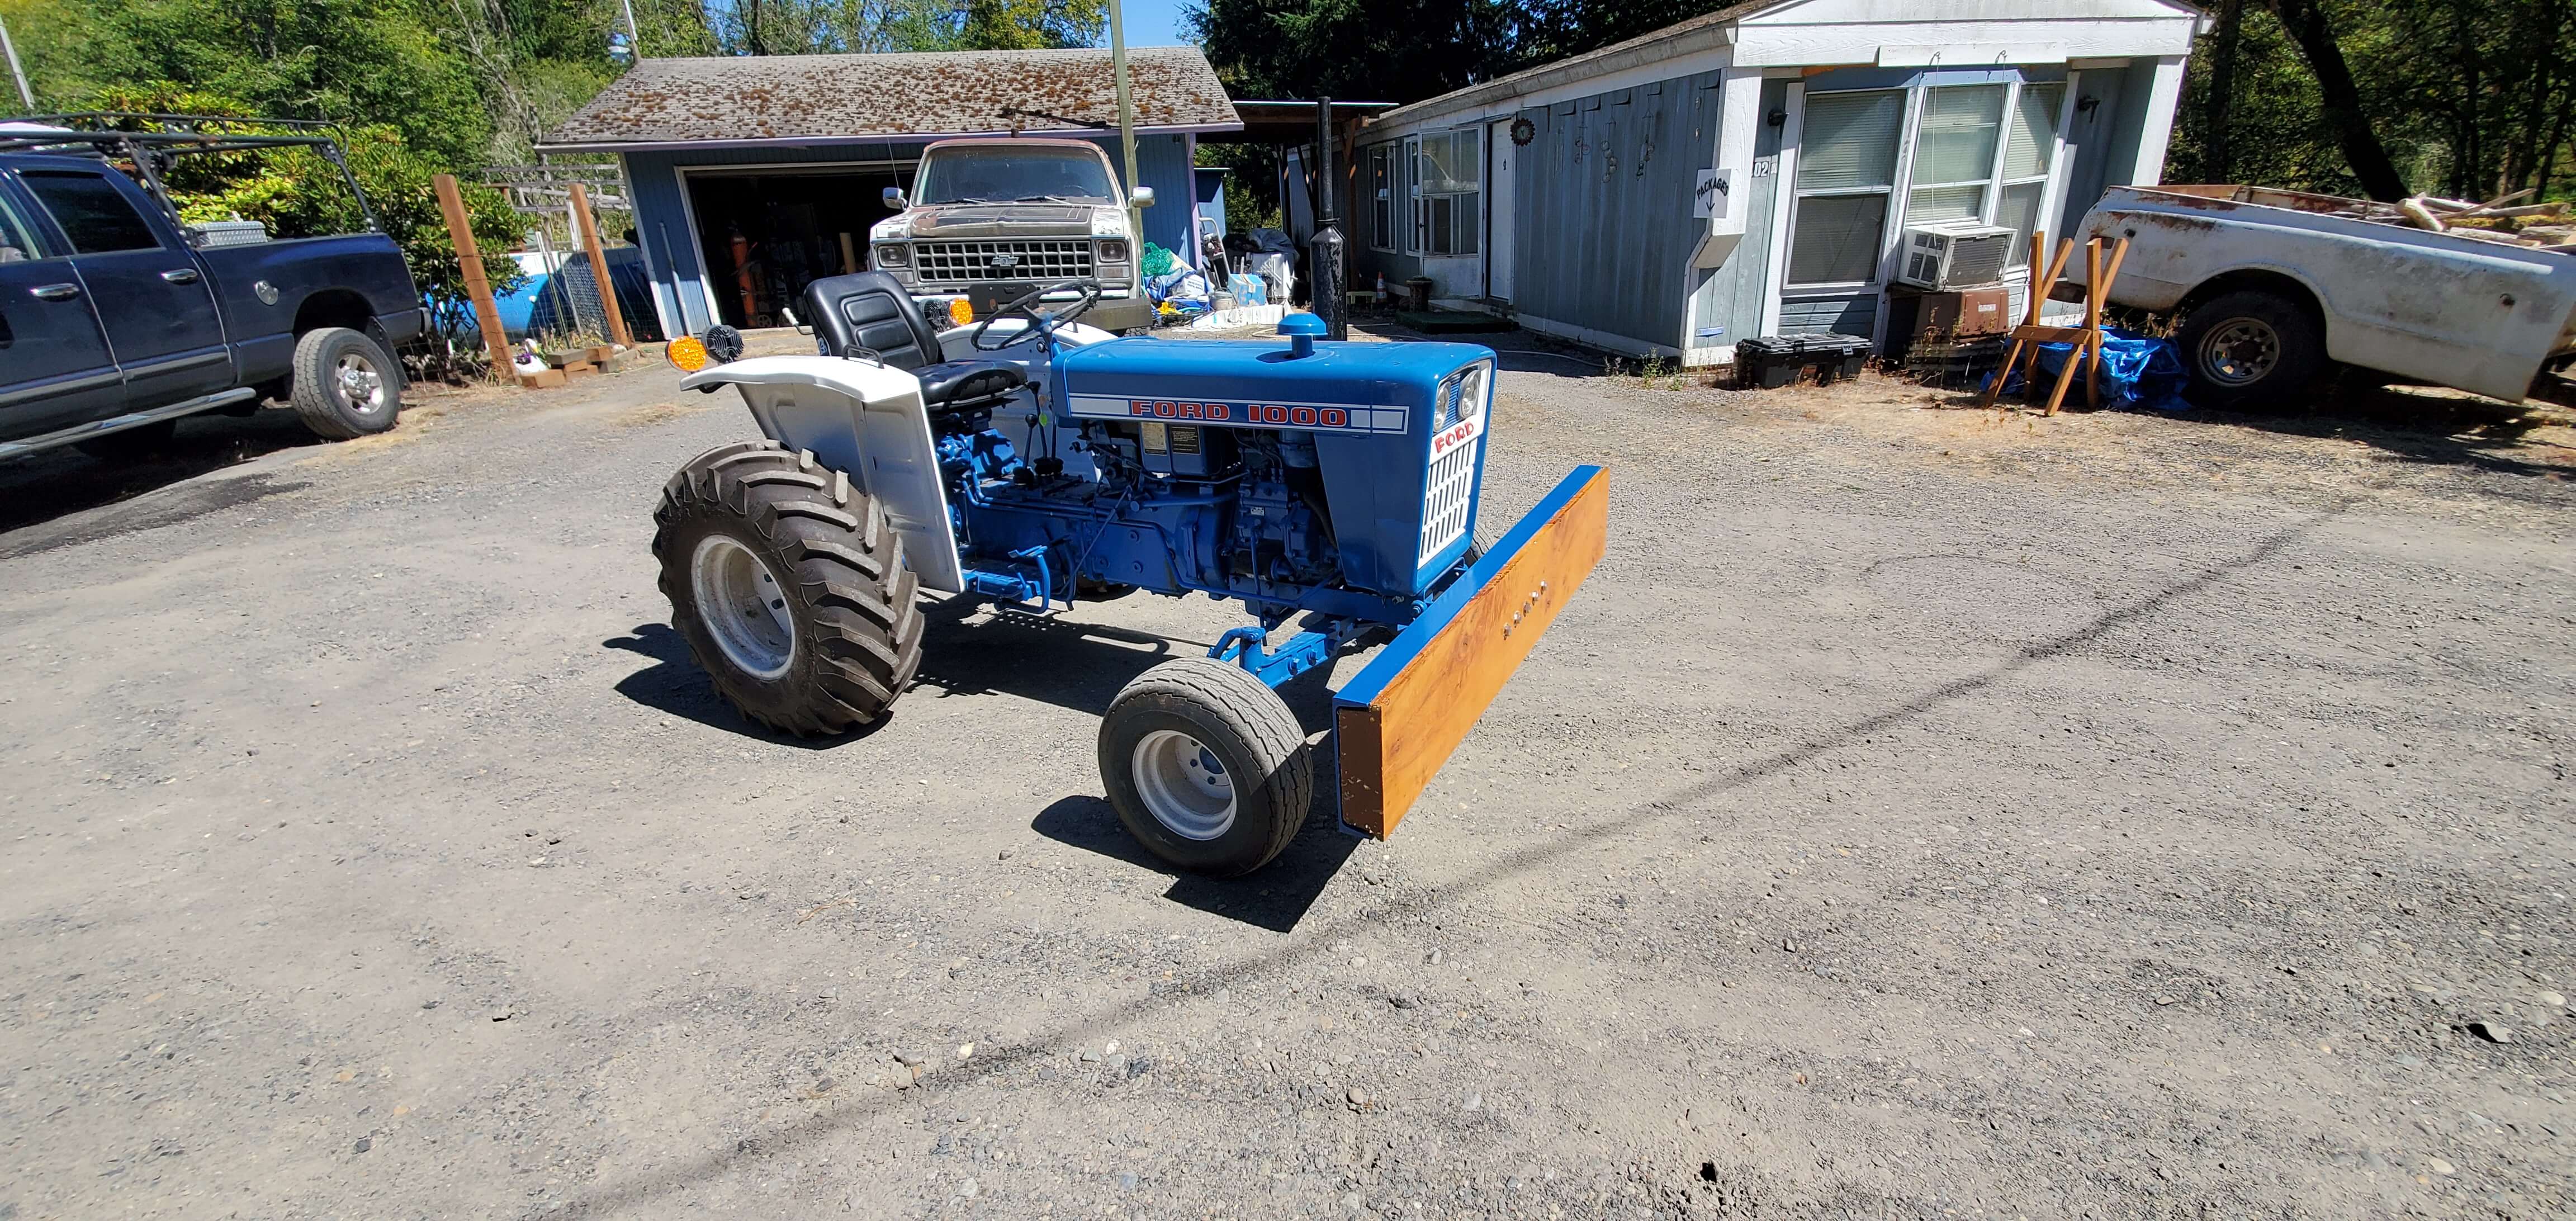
(1498, 212)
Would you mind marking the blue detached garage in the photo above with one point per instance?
(1756, 171)
(754, 175)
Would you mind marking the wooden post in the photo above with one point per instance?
(478, 289)
(599, 266)
(2024, 339)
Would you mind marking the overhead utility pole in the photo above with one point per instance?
(1126, 121)
(28, 96)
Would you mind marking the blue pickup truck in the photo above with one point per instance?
(117, 319)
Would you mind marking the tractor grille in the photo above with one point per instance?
(969, 262)
(1451, 489)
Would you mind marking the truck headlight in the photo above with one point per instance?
(894, 255)
(1114, 250)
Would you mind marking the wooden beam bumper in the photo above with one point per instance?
(1401, 716)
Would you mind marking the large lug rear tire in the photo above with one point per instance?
(2250, 348)
(1206, 766)
(790, 587)
(345, 384)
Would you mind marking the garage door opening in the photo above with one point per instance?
(763, 235)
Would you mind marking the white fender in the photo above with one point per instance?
(866, 421)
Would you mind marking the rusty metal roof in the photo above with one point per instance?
(749, 99)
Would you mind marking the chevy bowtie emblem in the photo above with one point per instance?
(1004, 262)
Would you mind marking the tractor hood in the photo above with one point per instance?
(1398, 428)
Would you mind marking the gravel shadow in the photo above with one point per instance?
(43, 488)
(675, 684)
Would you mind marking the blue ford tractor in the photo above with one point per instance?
(1031, 462)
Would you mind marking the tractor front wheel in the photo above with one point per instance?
(789, 586)
(1206, 766)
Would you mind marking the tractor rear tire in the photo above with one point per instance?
(1206, 766)
(790, 587)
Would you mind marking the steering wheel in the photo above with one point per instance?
(1040, 321)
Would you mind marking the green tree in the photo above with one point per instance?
(1372, 50)
(809, 27)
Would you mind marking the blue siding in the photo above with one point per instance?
(1729, 297)
(1163, 162)
(1604, 227)
(661, 221)
(2102, 146)
(1847, 315)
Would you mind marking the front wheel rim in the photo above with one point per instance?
(743, 606)
(2241, 351)
(1184, 785)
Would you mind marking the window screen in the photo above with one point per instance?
(91, 212)
(1448, 170)
(2030, 149)
(1954, 153)
(2034, 131)
(1850, 140)
(1837, 239)
(1846, 167)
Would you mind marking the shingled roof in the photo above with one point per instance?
(807, 99)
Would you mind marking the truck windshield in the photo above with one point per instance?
(1017, 172)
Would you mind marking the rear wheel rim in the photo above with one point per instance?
(2240, 351)
(743, 606)
(358, 383)
(1184, 785)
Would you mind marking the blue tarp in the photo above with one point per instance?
(2137, 371)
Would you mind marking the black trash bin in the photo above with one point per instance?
(1771, 361)
(1836, 356)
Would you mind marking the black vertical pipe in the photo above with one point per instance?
(1324, 249)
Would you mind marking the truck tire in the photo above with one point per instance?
(789, 586)
(344, 384)
(2250, 348)
(1206, 766)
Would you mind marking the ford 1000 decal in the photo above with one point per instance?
(1319, 417)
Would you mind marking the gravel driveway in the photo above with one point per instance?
(1922, 812)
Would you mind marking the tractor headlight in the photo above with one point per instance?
(688, 353)
(1114, 250)
(894, 254)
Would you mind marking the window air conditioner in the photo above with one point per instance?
(1954, 254)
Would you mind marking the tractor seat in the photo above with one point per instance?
(959, 382)
(870, 312)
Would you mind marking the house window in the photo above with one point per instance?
(1954, 153)
(1846, 171)
(1448, 170)
(2030, 153)
(1981, 152)
(1381, 162)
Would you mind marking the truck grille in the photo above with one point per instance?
(969, 262)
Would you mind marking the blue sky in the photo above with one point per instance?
(1153, 23)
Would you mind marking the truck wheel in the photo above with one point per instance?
(2250, 348)
(1206, 766)
(344, 385)
(789, 586)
